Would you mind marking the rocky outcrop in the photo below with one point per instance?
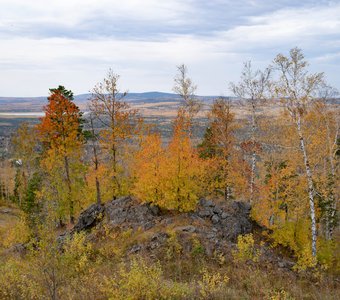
(217, 221)
(230, 220)
(128, 212)
(89, 218)
(216, 226)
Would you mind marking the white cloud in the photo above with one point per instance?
(41, 61)
(74, 12)
(285, 27)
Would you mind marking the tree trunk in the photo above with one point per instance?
(253, 158)
(226, 177)
(331, 203)
(69, 196)
(99, 200)
(114, 166)
(96, 163)
(310, 185)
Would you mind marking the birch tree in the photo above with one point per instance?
(297, 88)
(93, 137)
(252, 90)
(329, 120)
(185, 88)
(119, 121)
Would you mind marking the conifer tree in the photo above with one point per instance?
(61, 135)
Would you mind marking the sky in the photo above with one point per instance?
(75, 42)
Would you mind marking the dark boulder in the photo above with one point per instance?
(231, 219)
(89, 218)
(128, 211)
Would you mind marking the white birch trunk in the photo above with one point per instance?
(310, 185)
(330, 216)
(253, 159)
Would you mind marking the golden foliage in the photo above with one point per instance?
(212, 284)
(246, 249)
(169, 177)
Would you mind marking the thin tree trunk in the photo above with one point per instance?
(253, 159)
(226, 175)
(99, 200)
(96, 163)
(331, 205)
(69, 196)
(310, 185)
(114, 165)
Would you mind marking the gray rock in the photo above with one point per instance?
(160, 236)
(211, 235)
(157, 240)
(205, 213)
(135, 248)
(148, 225)
(155, 210)
(206, 203)
(127, 211)
(188, 228)
(231, 220)
(217, 210)
(89, 218)
(167, 221)
(243, 207)
(209, 203)
(224, 215)
(215, 219)
(285, 264)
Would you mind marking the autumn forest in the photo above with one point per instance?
(70, 178)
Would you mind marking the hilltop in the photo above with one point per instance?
(159, 254)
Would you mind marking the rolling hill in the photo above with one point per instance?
(32, 104)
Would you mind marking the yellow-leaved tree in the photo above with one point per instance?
(148, 169)
(119, 125)
(171, 176)
(184, 169)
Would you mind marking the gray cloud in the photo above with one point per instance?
(144, 40)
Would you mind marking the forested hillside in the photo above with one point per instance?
(107, 206)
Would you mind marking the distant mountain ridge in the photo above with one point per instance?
(85, 97)
(36, 103)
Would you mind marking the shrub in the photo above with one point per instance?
(212, 285)
(141, 281)
(246, 249)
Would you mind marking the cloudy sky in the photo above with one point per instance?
(74, 42)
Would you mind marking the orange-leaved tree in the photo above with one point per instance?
(60, 131)
(184, 169)
(148, 170)
(171, 176)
